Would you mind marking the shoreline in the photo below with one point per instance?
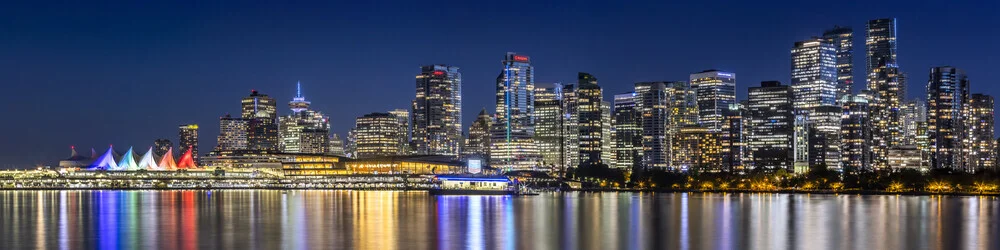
(848, 192)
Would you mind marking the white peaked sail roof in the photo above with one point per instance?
(147, 161)
(167, 162)
(128, 161)
(106, 161)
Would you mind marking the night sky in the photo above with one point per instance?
(126, 73)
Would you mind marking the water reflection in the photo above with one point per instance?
(264, 219)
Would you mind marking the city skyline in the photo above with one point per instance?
(222, 99)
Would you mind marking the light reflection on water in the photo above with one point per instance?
(267, 219)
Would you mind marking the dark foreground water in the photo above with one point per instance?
(267, 219)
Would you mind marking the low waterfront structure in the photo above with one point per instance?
(411, 164)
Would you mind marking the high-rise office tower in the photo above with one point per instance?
(947, 98)
(337, 146)
(814, 74)
(824, 136)
(589, 98)
(437, 111)
(304, 130)
(842, 39)
(351, 143)
(262, 112)
(856, 133)
(232, 133)
(571, 128)
(886, 89)
(478, 144)
(378, 134)
(714, 91)
(982, 146)
(607, 142)
(682, 100)
(405, 130)
(549, 120)
(627, 132)
(914, 115)
(732, 139)
(188, 134)
(653, 105)
(513, 147)
(698, 150)
(771, 123)
(161, 146)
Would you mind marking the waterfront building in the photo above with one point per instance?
(885, 86)
(907, 157)
(437, 111)
(842, 39)
(405, 129)
(513, 146)
(167, 161)
(147, 161)
(75, 160)
(698, 150)
(189, 138)
(732, 139)
(262, 113)
(653, 107)
(161, 146)
(378, 134)
(549, 123)
(304, 130)
(856, 133)
(627, 132)
(478, 144)
(914, 116)
(232, 133)
(589, 98)
(947, 100)
(714, 92)
(409, 164)
(771, 126)
(337, 146)
(982, 147)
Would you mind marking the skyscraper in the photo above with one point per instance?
(513, 147)
(653, 105)
(405, 131)
(982, 146)
(914, 117)
(478, 144)
(856, 133)
(886, 89)
(627, 132)
(437, 111)
(607, 142)
(232, 133)
(771, 126)
(947, 100)
(304, 130)
(814, 74)
(378, 134)
(161, 146)
(589, 98)
(842, 39)
(715, 91)
(682, 100)
(824, 136)
(188, 134)
(262, 113)
(571, 128)
(337, 146)
(549, 124)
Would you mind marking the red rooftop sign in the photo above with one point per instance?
(520, 58)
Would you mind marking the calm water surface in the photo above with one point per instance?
(267, 219)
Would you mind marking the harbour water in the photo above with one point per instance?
(322, 219)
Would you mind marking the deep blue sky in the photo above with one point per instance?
(125, 73)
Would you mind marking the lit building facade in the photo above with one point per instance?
(304, 130)
(914, 117)
(478, 141)
(814, 74)
(549, 125)
(982, 146)
(405, 129)
(714, 91)
(188, 134)
(885, 86)
(652, 102)
(233, 133)
(771, 122)
(262, 112)
(842, 39)
(571, 128)
(513, 146)
(337, 146)
(378, 134)
(161, 146)
(855, 128)
(437, 111)
(589, 113)
(682, 101)
(607, 132)
(627, 132)
(947, 97)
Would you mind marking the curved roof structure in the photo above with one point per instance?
(167, 162)
(127, 162)
(105, 161)
(187, 160)
(147, 161)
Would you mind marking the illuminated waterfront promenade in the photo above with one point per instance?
(205, 179)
